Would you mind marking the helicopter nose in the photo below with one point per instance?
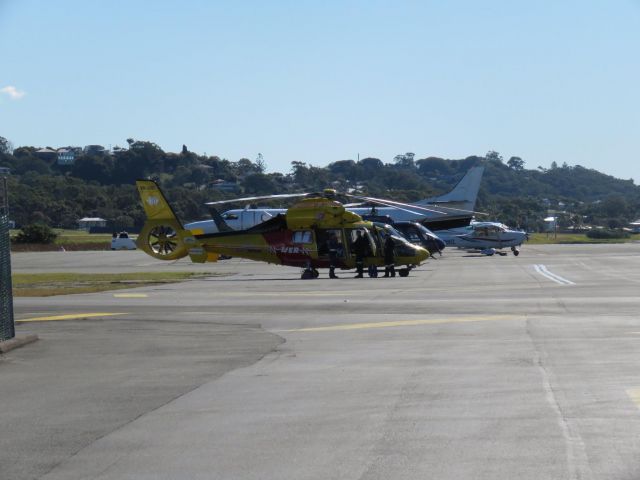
(422, 254)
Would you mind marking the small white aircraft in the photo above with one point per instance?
(488, 237)
(450, 210)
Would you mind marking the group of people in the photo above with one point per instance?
(361, 249)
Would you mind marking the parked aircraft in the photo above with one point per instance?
(296, 238)
(450, 210)
(421, 235)
(484, 236)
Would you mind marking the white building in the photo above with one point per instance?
(87, 222)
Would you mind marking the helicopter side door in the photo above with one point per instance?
(323, 235)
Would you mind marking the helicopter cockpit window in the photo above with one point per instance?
(353, 235)
(412, 234)
(303, 236)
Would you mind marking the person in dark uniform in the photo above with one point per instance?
(333, 246)
(359, 247)
(389, 257)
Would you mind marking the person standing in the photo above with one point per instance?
(333, 246)
(389, 257)
(359, 248)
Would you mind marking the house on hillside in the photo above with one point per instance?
(66, 156)
(94, 150)
(5, 171)
(46, 154)
(224, 186)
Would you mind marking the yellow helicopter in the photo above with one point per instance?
(298, 238)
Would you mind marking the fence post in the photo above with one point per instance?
(7, 327)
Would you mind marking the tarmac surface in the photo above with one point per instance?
(472, 367)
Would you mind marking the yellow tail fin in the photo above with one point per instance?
(155, 205)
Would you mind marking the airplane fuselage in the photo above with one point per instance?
(483, 235)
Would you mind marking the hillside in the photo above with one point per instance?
(101, 183)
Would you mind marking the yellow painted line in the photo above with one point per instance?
(408, 323)
(130, 295)
(74, 316)
(634, 395)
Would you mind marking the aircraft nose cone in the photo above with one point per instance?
(422, 254)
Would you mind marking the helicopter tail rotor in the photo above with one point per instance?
(162, 240)
(162, 235)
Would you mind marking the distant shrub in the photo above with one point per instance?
(605, 234)
(36, 233)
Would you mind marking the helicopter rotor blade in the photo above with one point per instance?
(422, 207)
(460, 209)
(390, 204)
(263, 197)
(398, 205)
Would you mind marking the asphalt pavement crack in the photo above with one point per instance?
(577, 460)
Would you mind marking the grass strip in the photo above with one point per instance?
(573, 238)
(49, 284)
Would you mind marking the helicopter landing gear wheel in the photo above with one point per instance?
(403, 272)
(515, 251)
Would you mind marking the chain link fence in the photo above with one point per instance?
(7, 329)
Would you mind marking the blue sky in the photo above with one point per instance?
(324, 81)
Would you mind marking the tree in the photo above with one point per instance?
(433, 166)
(259, 183)
(5, 146)
(261, 165)
(245, 167)
(370, 163)
(406, 160)
(516, 163)
(36, 233)
(32, 164)
(300, 172)
(493, 156)
(344, 168)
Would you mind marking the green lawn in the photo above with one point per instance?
(68, 237)
(561, 238)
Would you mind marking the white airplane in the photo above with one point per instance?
(453, 209)
(488, 237)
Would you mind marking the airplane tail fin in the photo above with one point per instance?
(163, 235)
(218, 220)
(464, 194)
